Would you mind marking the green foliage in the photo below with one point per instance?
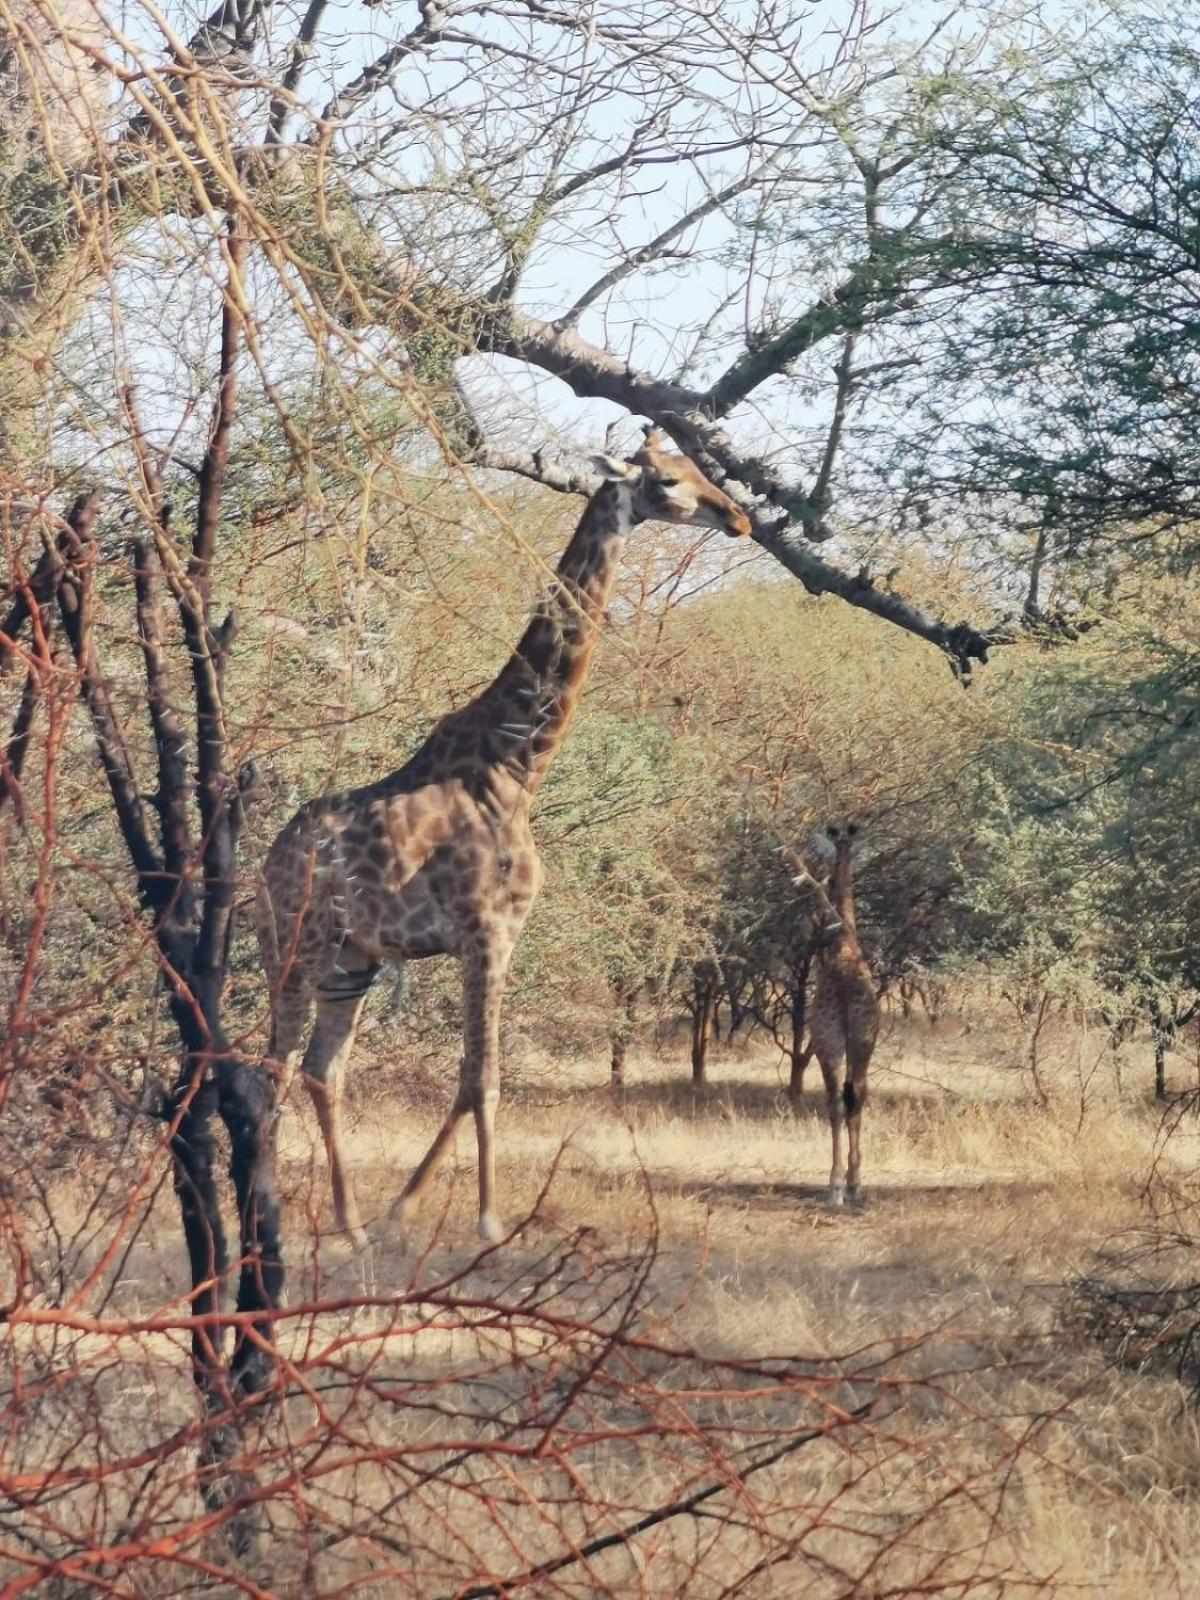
(1085, 867)
(613, 915)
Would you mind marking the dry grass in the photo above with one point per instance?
(1005, 1459)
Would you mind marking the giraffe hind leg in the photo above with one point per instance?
(340, 1000)
(831, 1070)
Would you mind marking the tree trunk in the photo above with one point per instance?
(191, 915)
(733, 996)
(617, 1060)
(800, 1057)
(621, 1035)
(1160, 1063)
(703, 1005)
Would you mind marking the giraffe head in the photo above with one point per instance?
(843, 839)
(667, 487)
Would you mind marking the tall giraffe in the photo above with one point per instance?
(844, 1023)
(438, 857)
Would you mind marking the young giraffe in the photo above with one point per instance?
(844, 1022)
(438, 857)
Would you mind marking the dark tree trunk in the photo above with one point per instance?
(906, 989)
(800, 1057)
(1161, 1039)
(621, 1035)
(184, 871)
(192, 933)
(738, 1012)
(620, 1044)
(214, 1078)
(704, 1001)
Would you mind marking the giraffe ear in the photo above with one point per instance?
(612, 469)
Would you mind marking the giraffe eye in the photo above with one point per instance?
(667, 483)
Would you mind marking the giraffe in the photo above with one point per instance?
(438, 857)
(844, 1023)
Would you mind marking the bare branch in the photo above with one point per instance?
(844, 378)
(855, 301)
(13, 759)
(653, 251)
(36, 591)
(433, 18)
(214, 789)
(170, 740)
(281, 101)
(74, 600)
(686, 1507)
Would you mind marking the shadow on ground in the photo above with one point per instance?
(749, 1098)
(742, 1193)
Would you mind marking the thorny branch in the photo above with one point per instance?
(688, 1506)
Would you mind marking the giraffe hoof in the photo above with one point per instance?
(491, 1229)
(398, 1220)
(347, 1240)
(854, 1195)
(837, 1196)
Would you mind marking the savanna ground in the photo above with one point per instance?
(1002, 1453)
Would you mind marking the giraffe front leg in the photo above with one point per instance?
(485, 967)
(854, 1098)
(484, 978)
(402, 1208)
(831, 1071)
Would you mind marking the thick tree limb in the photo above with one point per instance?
(13, 759)
(963, 643)
(167, 731)
(37, 590)
(281, 100)
(74, 601)
(403, 299)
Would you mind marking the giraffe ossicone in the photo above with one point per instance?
(438, 857)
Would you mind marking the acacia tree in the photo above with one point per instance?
(399, 201)
(181, 838)
(1084, 332)
(1084, 868)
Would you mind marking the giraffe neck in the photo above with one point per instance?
(531, 702)
(843, 886)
